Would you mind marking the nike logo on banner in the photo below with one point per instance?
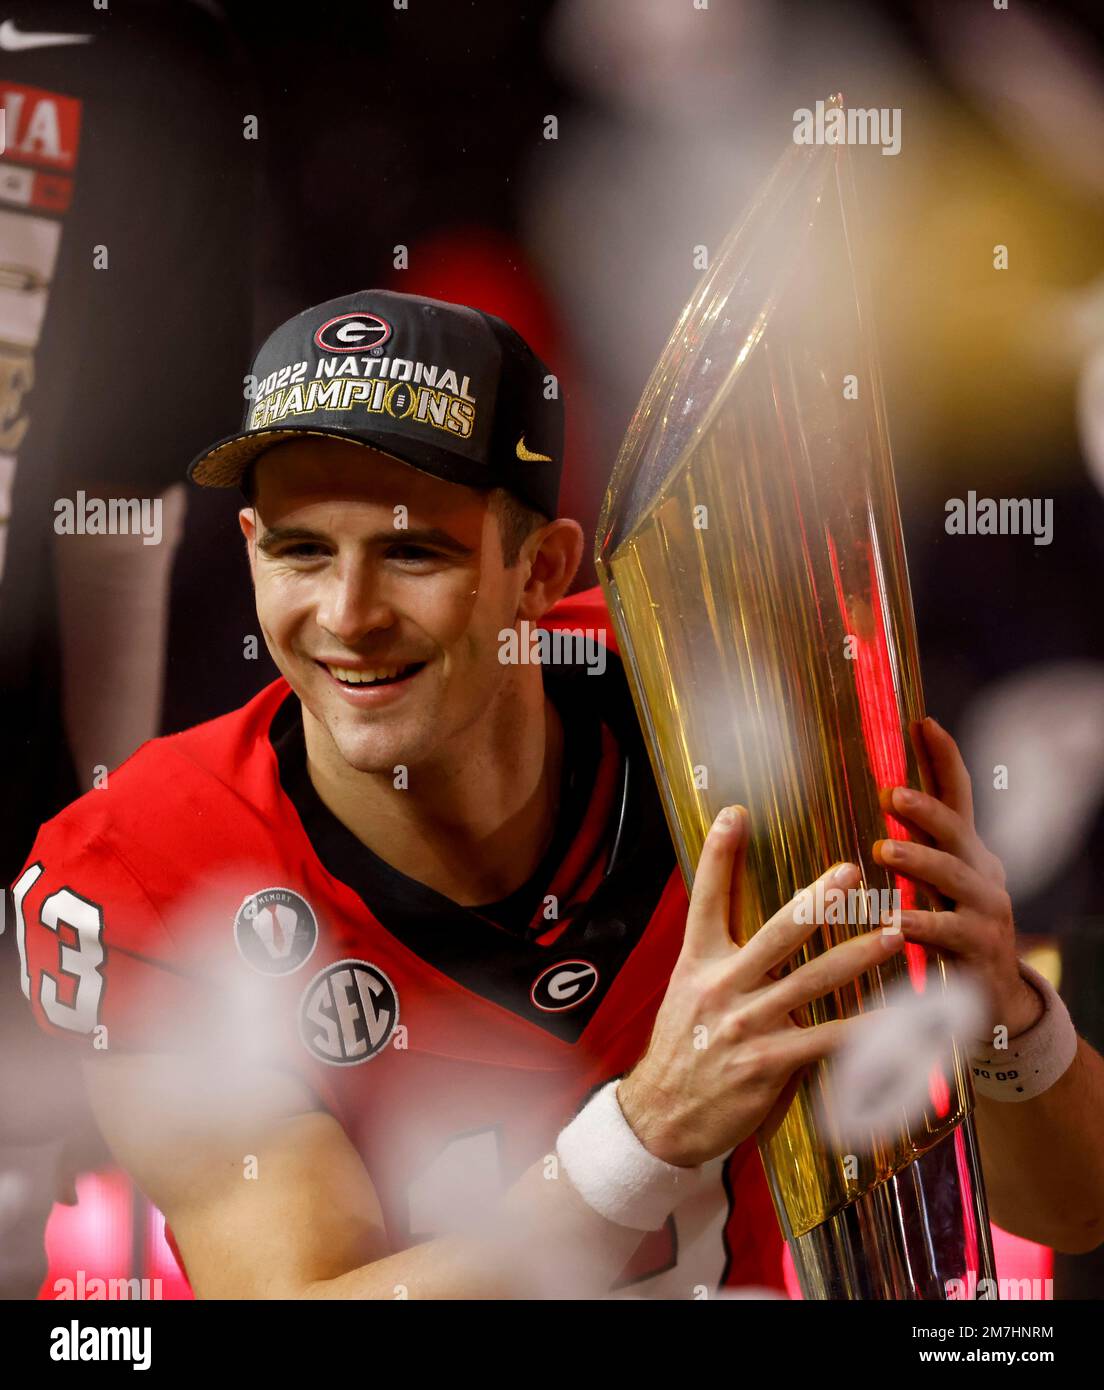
(15, 40)
(526, 457)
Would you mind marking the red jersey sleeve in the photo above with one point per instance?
(96, 960)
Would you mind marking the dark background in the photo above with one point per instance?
(425, 127)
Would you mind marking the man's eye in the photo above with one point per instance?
(411, 552)
(305, 550)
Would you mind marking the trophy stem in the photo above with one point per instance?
(922, 1234)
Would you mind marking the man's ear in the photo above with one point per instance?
(247, 520)
(556, 555)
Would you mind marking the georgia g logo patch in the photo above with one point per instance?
(276, 931)
(348, 1013)
(563, 986)
(353, 333)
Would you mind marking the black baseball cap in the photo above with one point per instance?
(445, 388)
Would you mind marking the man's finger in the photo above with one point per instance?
(778, 939)
(715, 893)
(816, 978)
(944, 931)
(799, 1047)
(949, 769)
(936, 820)
(958, 881)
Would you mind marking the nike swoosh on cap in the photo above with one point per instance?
(14, 40)
(526, 457)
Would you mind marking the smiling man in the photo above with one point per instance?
(388, 980)
(389, 634)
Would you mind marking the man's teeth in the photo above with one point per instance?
(341, 673)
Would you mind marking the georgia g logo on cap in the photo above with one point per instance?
(353, 333)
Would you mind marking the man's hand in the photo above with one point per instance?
(724, 1050)
(976, 925)
(1044, 1158)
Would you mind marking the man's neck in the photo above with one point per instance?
(475, 830)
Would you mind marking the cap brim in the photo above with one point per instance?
(224, 464)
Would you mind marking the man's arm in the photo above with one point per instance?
(1044, 1158)
(309, 1224)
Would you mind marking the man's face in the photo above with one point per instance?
(366, 568)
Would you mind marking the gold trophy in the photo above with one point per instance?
(750, 550)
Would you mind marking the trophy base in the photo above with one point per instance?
(922, 1234)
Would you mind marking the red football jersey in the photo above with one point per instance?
(207, 892)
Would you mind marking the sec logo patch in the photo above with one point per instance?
(276, 931)
(348, 1013)
(563, 986)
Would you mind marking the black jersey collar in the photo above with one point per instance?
(474, 952)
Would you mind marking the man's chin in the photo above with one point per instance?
(366, 751)
(370, 764)
(352, 736)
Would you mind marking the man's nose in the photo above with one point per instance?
(352, 604)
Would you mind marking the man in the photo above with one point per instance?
(100, 249)
(348, 960)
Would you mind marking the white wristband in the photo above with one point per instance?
(1034, 1061)
(614, 1173)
